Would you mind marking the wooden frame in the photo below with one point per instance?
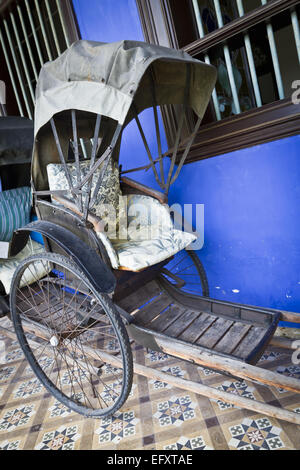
(270, 122)
(258, 126)
(239, 25)
(30, 63)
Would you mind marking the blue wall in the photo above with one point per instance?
(108, 20)
(251, 197)
(252, 222)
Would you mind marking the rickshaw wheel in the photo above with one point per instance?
(185, 273)
(64, 326)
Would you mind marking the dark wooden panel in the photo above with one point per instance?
(140, 297)
(198, 327)
(181, 324)
(270, 122)
(152, 310)
(255, 316)
(251, 340)
(213, 334)
(232, 338)
(167, 318)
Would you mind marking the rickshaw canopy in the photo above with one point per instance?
(115, 80)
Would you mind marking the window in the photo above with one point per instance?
(31, 33)
(255, 46)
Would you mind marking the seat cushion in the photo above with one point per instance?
(8, 266)
(136, 255)
(150, 236)
(15, 209)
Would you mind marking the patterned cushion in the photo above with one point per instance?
(152, 237)
(138, 255)
(15, 208)
(8, 266)
(109, 191)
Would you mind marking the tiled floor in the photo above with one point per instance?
(156, 416)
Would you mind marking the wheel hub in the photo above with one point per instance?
(54, 341)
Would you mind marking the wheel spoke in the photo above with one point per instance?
(186, 266)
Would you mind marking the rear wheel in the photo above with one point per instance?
(185, 274)
(66, 328)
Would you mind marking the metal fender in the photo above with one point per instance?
(97, 272)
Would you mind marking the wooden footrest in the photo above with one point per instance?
(243, 336)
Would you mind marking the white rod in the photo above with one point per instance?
(83, 149)
(275, 60)
(12, 50)
(12, 78)
(3, 111)
(206, 56)
(27, 42)
(63, 22)
(34, 33)
(21, 52)
(228, 60)
(53, 27)
(43, 29)
(296, 29)
(250, 58)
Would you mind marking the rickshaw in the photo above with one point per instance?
(118, 266)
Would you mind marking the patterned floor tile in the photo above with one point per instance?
(10, 445)
(116, 428)
(154, 356)
(207, 372)
(175, 411)
(14, 355)
(256, 434)
(58, 410)
(63, 438)
(187, 443)
(13, 419)
(29, 388)
(175, 370)
(7, 373)
(156, 416)
(240, 388)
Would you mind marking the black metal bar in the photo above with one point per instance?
(93, 157)
(186, 152)
(76, 153)
(96, 190)
(158, 137)
(49, 193)
(61, 156)
(147, 148)
(185, 103)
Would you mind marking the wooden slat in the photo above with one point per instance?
(232, 338)
(181, 324)
(250, 341)
(140, 297)
(198, 327)
(213, 334)
(152, 310)
(165, 319)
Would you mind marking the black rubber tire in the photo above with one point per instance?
(203, 282)
(115, 322)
